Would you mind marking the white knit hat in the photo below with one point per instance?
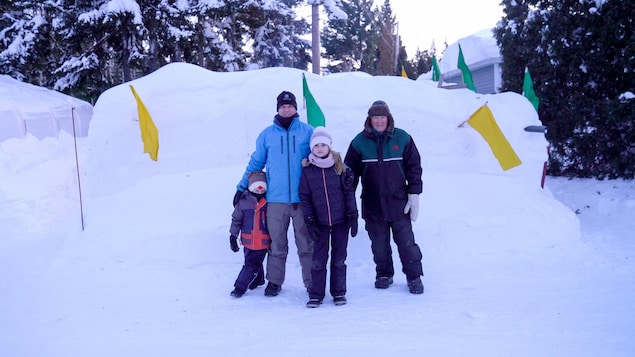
(320, 135)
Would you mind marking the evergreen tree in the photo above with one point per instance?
(422, 62)
(580, 54)
(386, 45)
(232, 32)
(405, 64)
(510, 32)
(104, 47)
(275, 33)
(170, 32)
(8, 11)
(206, 37)
(26, 41)
(78, 72)
(83, 47)
(347, 42)
(126, 35)
(590, 53)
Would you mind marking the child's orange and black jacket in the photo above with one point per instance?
(250, 219)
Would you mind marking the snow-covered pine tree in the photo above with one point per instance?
(170, 32)
(515, 43)
(580, 54)
(276, 33)
(386, 46)
(349, 43)
(105, 46)
(589, 48)
(27, 50)
(422, 61)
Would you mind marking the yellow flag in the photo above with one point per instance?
(483, 121)
(403, 72)
(149, 132)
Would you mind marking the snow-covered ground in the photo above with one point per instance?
(510, 268)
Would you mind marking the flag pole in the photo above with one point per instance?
(465, 121)
(303, 96)
(79, 185)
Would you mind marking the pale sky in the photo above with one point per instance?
(422, 21)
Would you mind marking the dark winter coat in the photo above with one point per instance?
(389, 166)
(250, 219)
(326, 197)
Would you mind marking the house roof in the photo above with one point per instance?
(479, 50)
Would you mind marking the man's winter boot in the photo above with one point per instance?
(383, 282)
(272, 289)
(415, 286)
(339, 300)
(313, 303)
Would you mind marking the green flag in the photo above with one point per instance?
(528, 90)
(436, 72)
(314, 114)
(465, 71)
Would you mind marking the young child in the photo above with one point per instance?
(250, 219)
(328, 203)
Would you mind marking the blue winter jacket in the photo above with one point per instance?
(281, 152)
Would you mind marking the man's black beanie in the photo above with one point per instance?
(286, 98)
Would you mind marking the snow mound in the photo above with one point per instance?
(208, 120)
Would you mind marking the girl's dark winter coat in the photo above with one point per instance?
(327, 198)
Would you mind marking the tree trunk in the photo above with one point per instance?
(315, 38)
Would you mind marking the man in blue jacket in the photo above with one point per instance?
(280, 148)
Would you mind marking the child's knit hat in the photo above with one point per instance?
(257, 182)
(320, 135)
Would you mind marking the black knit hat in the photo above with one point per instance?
(286, 98)
(378, 108)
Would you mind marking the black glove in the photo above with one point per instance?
(233, 243)
(237, 197)
(312, 227)
(352, 223)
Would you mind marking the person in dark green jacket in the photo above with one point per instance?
(389, 165)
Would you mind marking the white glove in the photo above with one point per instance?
(412, 206)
